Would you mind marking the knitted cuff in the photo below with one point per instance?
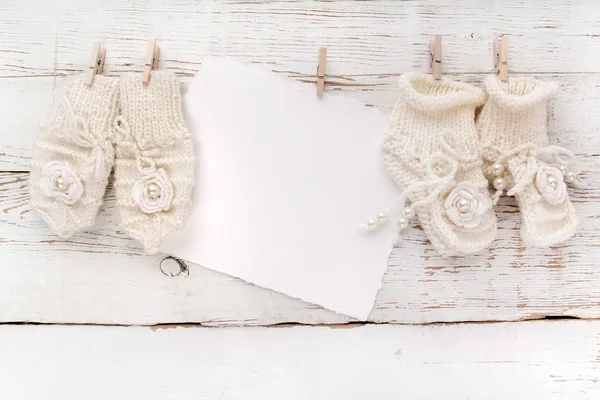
(153, 110)
(424, 93)
(98, 104)
(73, 156)
(519, 94)
(515, 114)
(431, 152)
(154, 171)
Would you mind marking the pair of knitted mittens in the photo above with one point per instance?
(75, 152)
(445, 161)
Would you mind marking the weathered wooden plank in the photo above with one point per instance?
(102, 277)
(363, 38)
(546, 360)
(574, 119)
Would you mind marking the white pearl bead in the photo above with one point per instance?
(59, 183)
(570, 177)
(153, 191)
(402, 223)
(563, 169)
(381, 217)
(499, 183)
(371, 224)
(463, 205)
(497, 169)
(409, 213)
(552, 182)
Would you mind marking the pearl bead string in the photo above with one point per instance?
(499, 182)
(382, 218)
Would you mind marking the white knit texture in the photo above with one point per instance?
(154, 170)
(431, 151)
(512, 130)
(73, 155)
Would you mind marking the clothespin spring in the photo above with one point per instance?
(435, 47)
(96, 65)
(501, 58)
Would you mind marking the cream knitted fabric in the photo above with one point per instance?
(155, 158)
(512, 129)
(431, 152)
(73, 155)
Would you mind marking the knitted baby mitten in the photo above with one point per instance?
(154, 167)
(73, 155)
(431, 151)
(514, 141)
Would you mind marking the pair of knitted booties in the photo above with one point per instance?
(445, 160)
(137, 128)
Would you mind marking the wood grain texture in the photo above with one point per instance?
(102, 277)
(490, 361)
(363, 38)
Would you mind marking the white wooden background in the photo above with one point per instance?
(101, 277)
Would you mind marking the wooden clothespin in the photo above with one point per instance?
(96, 63)
(501, 57)
(435, 47)
(151, 60)
(321, 71)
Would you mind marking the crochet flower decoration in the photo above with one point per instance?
(550, 183)
(60, 181)
(153, 192)
(465, 206)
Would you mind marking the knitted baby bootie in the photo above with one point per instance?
(73, 155)
(154, 167)
(514, 142)
(431, 152)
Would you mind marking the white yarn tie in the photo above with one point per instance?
(552, 155)
(555, 152)
(440, 183)
(144, 158)
(84, 138)
(451, 160)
